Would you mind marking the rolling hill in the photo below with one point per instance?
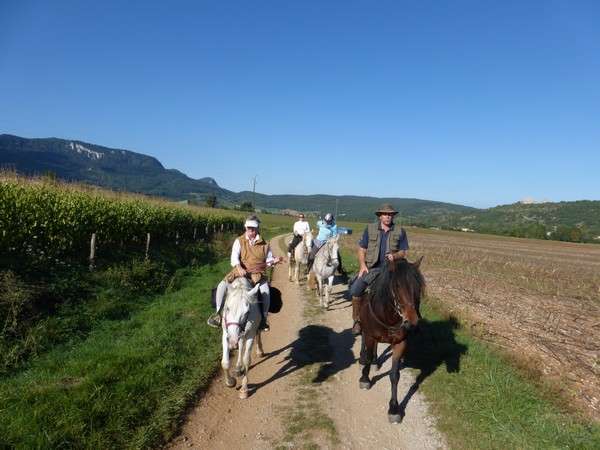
(124, 170)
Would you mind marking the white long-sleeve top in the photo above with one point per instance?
(301, 227)
(236, 251)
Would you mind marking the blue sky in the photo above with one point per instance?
(472, 102)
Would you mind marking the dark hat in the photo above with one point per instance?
(386, 208)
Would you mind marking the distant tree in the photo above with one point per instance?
(246, 206)
(576, 235)
(211, 201)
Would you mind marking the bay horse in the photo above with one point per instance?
(300, 256)
(325, 265)
(241, 318)
(387, 314)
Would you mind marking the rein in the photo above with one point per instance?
(390, 328)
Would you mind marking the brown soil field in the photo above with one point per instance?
(539, 301)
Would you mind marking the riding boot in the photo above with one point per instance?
(356, 328)
(263, 306)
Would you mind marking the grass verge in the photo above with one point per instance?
(125, 385)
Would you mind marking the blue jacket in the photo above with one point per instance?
(326, 231)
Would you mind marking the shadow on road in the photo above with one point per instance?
(316, 344)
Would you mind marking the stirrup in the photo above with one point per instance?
(214, 320)
(356, 328)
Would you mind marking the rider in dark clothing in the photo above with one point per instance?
(380, 241)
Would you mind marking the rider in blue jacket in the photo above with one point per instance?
(327, 230)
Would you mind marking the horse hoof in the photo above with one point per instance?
(260, 354)
(243, 394)
(394, 418)
(365, 385)
(230, 382)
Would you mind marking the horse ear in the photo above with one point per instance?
(418, 263)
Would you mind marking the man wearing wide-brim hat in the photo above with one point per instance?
(381, 241)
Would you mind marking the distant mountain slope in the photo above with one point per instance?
(113, 168)
(130, 171)
(361, 208)
(538, 218)
(126, 170)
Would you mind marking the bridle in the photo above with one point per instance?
(402, 325)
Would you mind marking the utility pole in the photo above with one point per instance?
(254, 192)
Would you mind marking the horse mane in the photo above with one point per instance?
(402, 277)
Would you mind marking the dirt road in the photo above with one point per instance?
(304, 392)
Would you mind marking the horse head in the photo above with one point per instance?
(307, 239)
(410, 295)
(405, 287)
(240, 297)
(332, 250)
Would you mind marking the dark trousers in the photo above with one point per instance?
(295, 241)
(359, 286)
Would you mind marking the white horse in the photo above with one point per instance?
(300, 256)
(241, 318)
(326, 262)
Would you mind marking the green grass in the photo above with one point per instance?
(479, 398)
(125, 385)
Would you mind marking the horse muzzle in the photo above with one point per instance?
(233, 343)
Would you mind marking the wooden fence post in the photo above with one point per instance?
(147, 244)
(194, 233)
(93, 252)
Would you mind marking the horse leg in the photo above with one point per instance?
(366, 357)
(246, 367)
(328, 292)
(238, 364)
(259, 348)
(229, 380)
(320, 289)
(394, 413)
(290, 271)
(297, 272)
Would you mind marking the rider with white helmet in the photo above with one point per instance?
(250, 257)
(327, 230)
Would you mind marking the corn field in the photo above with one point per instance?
(48, 221)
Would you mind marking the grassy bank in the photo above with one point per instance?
(126, 384)
(116, 355)
(480, 399)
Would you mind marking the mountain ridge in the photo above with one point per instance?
(121, 169)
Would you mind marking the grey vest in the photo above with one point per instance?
(393, 238)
